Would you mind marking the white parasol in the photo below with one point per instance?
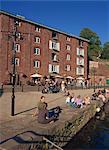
(36, 75)
(80, 78)
(69, 77)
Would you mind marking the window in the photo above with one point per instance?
(80, 71)
(17, 61)
(36, 64)
(54, 45)
(37, 51)
(80, 43)
(17, 47)
(68, 67)
(54, 57)
(68, 47)
(18, 23)
(68, 57)
(80, 61)
(54, 34)
(18, 35)
(80, 52)
(37, 29)
(68, 39)
(53, 68)
(37, 39)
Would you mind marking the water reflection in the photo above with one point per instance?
(95, 135)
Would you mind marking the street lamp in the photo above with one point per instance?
(14, 69)
(15, 35)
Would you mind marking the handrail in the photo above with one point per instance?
(52, 143)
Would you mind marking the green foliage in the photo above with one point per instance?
(94, 49)
(105, 52)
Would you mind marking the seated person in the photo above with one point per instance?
(42, 104)
(107, 93)
(94, 96)
(102, 97)
(86, 100)
(44, 114)
(70, 100)
(66, 93)
(79, 101)
(73, 98)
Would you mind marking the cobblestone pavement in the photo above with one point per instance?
(25, 105)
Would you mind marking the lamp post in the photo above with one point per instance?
(14, 35)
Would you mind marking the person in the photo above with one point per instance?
(43, 113)
(73, 98)
(70, 100)
(41, 105)
(107, 93)
(79, 101)
(102, 97)
(63, 86)
(66, 92)
(86, 100)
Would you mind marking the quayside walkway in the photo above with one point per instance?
(23, 132)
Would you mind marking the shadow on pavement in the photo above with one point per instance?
(25, 111)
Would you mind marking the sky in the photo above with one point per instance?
(68, 15)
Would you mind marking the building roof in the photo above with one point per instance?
(35, 23)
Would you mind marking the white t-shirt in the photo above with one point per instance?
(68, 100)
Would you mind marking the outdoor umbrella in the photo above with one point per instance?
(36, 75)
(69, 77)
(58, 76)
(80, 78)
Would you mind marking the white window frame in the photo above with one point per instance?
(37, 29)
(54, 45)
(78, 72)
(36, 64)
(80, 61)
(37, 51)
(53, 68)
(68, 57)
(17, 47)
(17, 61)
(37, 39)
(81, 43)
(80, 52)
(68, 67)
(68, 47)
(20, 24)
(68, 38)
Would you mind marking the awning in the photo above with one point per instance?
(36, 75)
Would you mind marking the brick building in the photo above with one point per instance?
(43, 49)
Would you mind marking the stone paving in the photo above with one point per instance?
(23, 123)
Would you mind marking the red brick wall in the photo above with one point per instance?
(27, 56)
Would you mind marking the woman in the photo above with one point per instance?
(43, 113)
(79, 101)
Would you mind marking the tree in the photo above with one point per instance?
(105, 52)
(94, 49)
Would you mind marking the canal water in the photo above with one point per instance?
(95, 135)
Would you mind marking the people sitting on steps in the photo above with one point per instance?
(44, 115)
